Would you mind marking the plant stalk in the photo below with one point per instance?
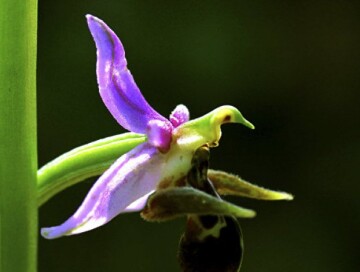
(18, 146)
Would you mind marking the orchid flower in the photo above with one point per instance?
(161, 161)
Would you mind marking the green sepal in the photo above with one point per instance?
(83, 162)
(228, 184)
(174, 202)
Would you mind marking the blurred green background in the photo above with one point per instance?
(291, 67)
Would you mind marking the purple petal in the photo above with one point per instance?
(131, 177)
(159, 134)
(179, 115)
(117, 87)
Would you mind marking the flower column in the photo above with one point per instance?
(18, 157)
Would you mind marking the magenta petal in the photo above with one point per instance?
(179, 115)
(131, 177)
(117, 87)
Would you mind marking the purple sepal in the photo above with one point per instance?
(133, 176)
(117, 87)
(179, 115)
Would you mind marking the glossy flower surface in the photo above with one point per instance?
(164, 158)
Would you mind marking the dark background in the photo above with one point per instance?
(291, 67)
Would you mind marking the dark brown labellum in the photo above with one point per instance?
(210, 243)
(213, 254)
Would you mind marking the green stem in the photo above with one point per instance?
(18, 150)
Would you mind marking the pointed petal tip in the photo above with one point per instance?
(90, 19)
(230, 114)
(49, 233)
(239, 118)
(94, 23)
(73, 226)
(288, 196)
(276, 195)
(251, 213)
(241, 212)
(248, 124)
(44, 233)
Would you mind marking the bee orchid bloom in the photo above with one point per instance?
(166, 155)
